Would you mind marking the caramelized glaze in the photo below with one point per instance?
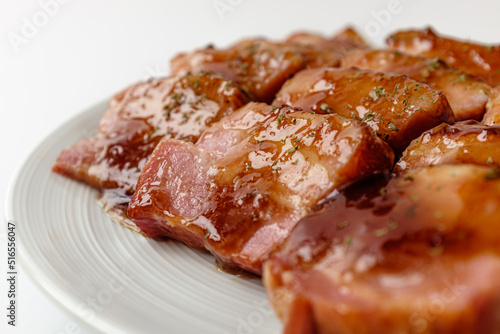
(482, 61)
(424, 236)
(135, 122)
(459, 143)
(260, 67)
(243, 186)
(492, 115)
(319, 51)
(395, 107)
(467, 94)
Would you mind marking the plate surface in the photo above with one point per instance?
(110, 278)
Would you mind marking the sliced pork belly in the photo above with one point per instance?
(418, 255)
(137, 119)
(463, 142)
(260, 67)
(492, 115)
(482, 61)
(395, 107)
(344, 40)
(467, 94)
(319, 51)
(351, 38)
(242, 187)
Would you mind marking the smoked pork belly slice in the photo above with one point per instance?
(492, 115)
(396, 108)
(260, 67)
(319, 51)
(351, 38)
(466, 93)
(242, 187)
(462, 142)
(344, 40)
(136, 120)
(417, 255)
(483, 61)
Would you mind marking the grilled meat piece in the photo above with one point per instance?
(242, 187)
(418, 255)
(483, 61)
(135, 122)
(492, 115)
(260, 67)
(467, 94)
(395, 107)
(459, 143)
(319, 51)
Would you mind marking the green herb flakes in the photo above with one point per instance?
(342, 225)
(381, 232)
(392, 127)
(280, 118)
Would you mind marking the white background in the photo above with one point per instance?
(87, 50)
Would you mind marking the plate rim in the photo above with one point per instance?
(8, 216)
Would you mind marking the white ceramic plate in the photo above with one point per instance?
(112, 279)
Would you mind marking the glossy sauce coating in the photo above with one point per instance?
(492, 115)
(319, 51)
(350, 36)
(139, 117)
(260, 67)
(378, 257)
(136, 120)
(346, 39)
(482, 61)
(241, 189)
(466, 94)
(459, 143)
(395, 107)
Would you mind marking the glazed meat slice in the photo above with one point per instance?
(492, 115)
(242, 187)
(395, 107)
(418, 255)
(319, 51)
(260, 67)
(463, 142)
(482, 61)
(467, 94)
(137, 119)
(352, 38)
(344, 40)
(320, 55)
